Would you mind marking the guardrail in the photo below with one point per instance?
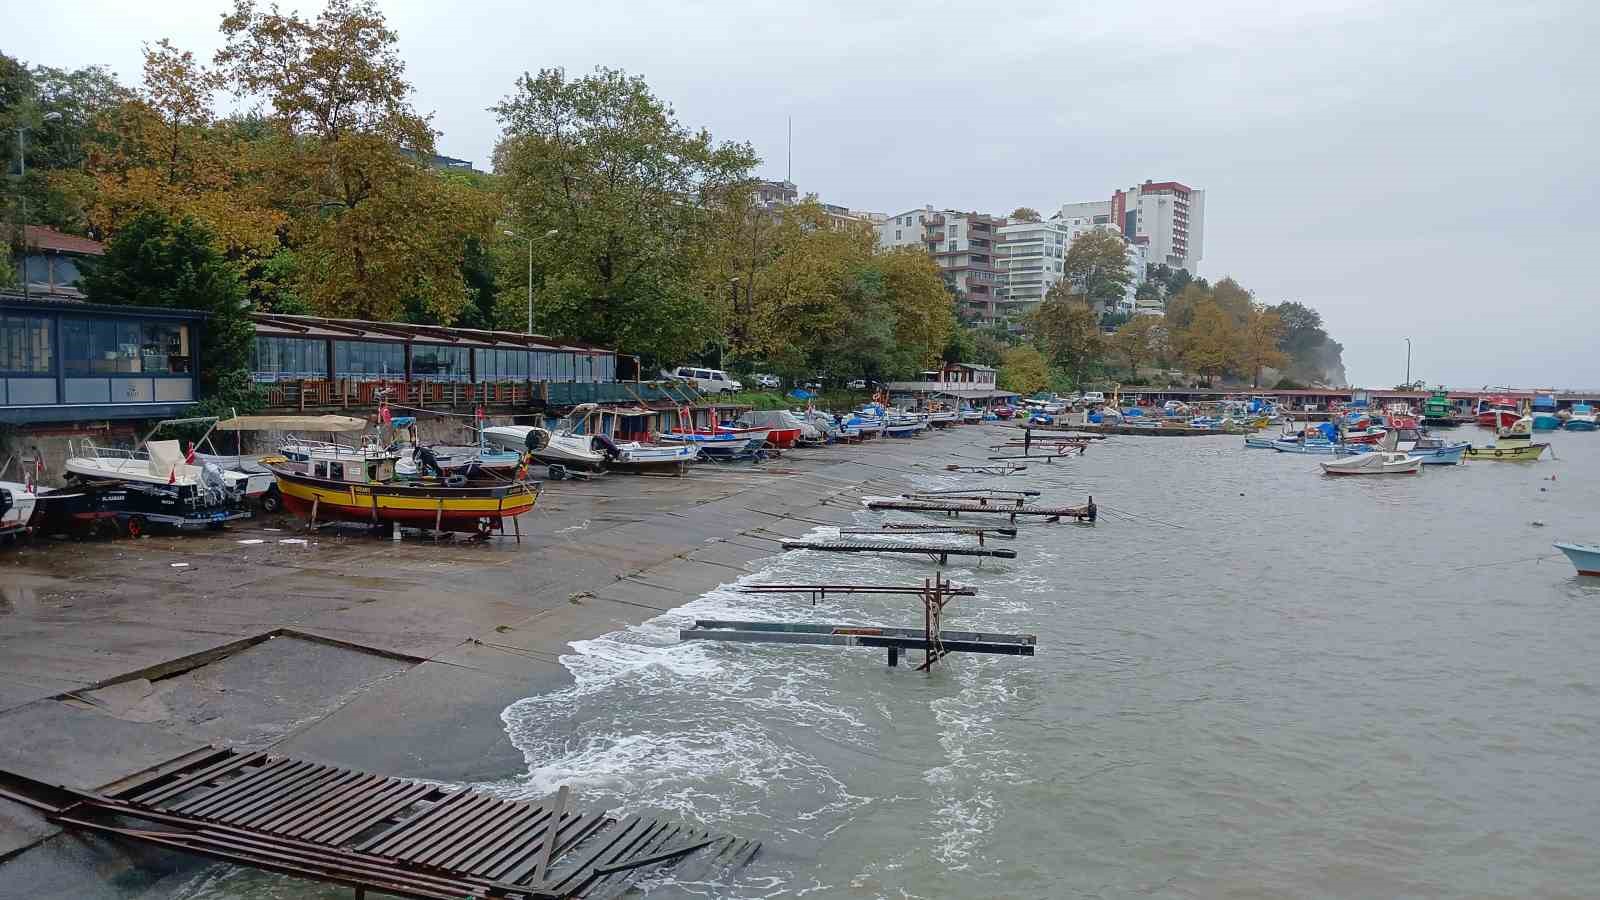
(313, 394)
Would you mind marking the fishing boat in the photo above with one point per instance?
(1378, 462)
(784, 429)
(971, 415)
(331, 482)
(715, 446)
(1437, 452)
(1003, 411)
(156, 484)
(16, 507)
(1256, 442)
(1497, 411)
(1586, 557)
(1315, 446)
(1522, 453)
(567, 444)
(1368, 435)
(1545, 417)
(1437, 412)
(1519, 432)
(1582, 418)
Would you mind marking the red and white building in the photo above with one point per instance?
(1167, 218)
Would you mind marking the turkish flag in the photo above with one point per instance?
(172, 476)
(189, 457)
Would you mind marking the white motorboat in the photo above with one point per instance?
(1378, 462)
(561, 447)
(640, 457)
(161, 463)
(16, 506)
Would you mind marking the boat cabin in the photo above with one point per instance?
(367, 464)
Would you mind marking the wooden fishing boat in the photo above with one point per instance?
(1497, 412)
(1378, 462)
(357, 485)
(1520, 453)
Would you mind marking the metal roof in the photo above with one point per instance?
(361, 329)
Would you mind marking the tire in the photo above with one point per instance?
(1497, 454)
(272, 501)
(136, 526)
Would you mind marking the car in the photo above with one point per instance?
(1093, 398)
(857, 384)
(766, 381)
(707, 381)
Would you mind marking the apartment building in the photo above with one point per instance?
(962, 243)
(1028, 262)
(1168, 218)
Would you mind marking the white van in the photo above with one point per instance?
(708, 381)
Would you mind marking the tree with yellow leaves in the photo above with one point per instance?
(1263, 331)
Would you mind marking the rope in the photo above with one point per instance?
(1132, 515)
(1507, 562)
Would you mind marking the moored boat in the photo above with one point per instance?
(1582, 418)
(1437, 411)
(1497, 412)
(1545, 416)
(1436, 452)
(1585, 557)
(1521, 453)
(1378, 462)
(16, 507)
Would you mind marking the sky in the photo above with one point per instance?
(1410, 169)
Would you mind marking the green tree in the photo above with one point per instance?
(633, 195)
(1026, 214)
(1234, 300)
(158, 262)
(1211, 344)
(961, 347)
(1262, 333)
(1067, 331)
(1097, 266)
(1138, 340)
(1023, 370)
(988, 346)
(1181, 306)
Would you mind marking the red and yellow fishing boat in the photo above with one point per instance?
(1497, 411)
(323, 482)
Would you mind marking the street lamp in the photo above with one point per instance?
(547, 236)
(1408, 362)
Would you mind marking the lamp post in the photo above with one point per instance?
(547, 235)
(1408, 362)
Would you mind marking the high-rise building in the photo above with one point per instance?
(1028, 262)
(1167, 217)
(962, 243)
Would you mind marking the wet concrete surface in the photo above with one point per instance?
(115, 655)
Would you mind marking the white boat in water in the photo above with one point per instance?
(1378, 462)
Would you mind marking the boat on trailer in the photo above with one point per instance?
(17, 503)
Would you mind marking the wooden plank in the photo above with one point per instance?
(193, 760)
(191, 780)
(573, 881)
(265, 786)
(324, 805)
(330, 781)
(484, 825)
(520, 827)
(242, 782)
(547, 850)
(420, 828)
(570, 832)
(368, 814)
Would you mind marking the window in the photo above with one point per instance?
(25, 344)
(501, 365)
(106, 346)
(434, 363)
(897, 234)
(369, 360)
(273, 358)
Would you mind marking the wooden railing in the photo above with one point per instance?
(319, 394)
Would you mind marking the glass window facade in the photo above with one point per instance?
(502, 365)
(274, 358)
(369, 360)
(430, 362)
(111, 346)
(26, 345)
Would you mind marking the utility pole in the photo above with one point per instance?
(22, 203)
(1408, 362)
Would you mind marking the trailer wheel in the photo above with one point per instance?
(135, 526)
(272, 501)
(557, 472)
(485, 527)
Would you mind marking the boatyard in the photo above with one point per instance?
(470, 661)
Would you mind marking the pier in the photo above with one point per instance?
(1087, 512)
(940, 552)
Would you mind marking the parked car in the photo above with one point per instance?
(708, 381)
(857, 384)
(765, 381)
(1094, 398)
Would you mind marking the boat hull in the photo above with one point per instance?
(454, 509)
(1524, 453)
(1440, 456)
(1576, 424)
(1546, 422)
(1585, 558)
(1374, 464)
(1498, 418)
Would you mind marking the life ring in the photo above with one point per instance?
(1497, 454)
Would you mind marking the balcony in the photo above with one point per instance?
(934, 237)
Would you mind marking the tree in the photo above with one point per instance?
(1181, 306)
(373, 225)
(157, 262)
(1137, 341)
(961, 347)
(988, 347)
(923, 311)
(1022, 369)
(1233, 299)
(1097, 266)
(1211, 344)
(1067, 331)
(1026, 214)
(1259, 348)
(633, 195)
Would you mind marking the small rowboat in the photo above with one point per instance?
(1522, 453)
(1586, 557)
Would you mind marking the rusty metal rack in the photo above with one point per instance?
(978, 531)
(955, 508)
(1049, 459)
(371, 832)
(940, 552)
(979, 494)
(1003, 470)
(932, 639)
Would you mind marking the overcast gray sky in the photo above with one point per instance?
(1421, 169)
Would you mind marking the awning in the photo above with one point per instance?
(293, 423)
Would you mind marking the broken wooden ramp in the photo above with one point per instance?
(941, 552)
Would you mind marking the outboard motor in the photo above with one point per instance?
(216, 486)
(427, 463)
(607, 445)
(537, 439)
(5, 501)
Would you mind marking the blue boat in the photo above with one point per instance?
(1582, 418)
(1259, 443)
(1586, 557)
(1441, 455)
(1544, 413)
(1319, 446)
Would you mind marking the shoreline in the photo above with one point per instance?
(119, 654)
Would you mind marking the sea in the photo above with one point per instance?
(1252, 680)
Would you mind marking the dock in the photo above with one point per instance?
(978, 531)
(1086, 512)
(895, 640)
(393, 836)
(1003, 470)
(1156, 431)
(940, 552)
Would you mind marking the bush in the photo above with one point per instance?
(1288, 384)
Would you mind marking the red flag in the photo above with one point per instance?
(480, 413)
(172, 476)
(189, 457)
(384, 415)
